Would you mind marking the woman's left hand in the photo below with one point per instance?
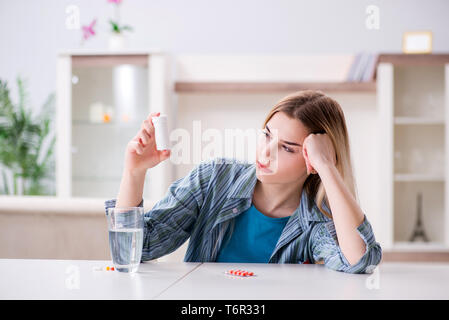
(318, 151)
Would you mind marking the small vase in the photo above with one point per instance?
(116, 41)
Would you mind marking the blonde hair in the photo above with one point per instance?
(320, 114)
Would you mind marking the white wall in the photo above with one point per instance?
(31, 32)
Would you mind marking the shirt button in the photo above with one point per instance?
(234, 210)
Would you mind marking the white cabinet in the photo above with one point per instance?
(413, 96)
(102, 99)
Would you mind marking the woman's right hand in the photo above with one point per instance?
(141, 153)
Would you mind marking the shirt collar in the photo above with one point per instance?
(244, 185)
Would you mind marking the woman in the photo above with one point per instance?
(296, 204)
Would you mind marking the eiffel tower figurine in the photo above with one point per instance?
(418, 231)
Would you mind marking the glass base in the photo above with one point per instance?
(128, 268)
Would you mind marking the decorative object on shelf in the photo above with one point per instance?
(96, 112)
(363, 68)
(106, 118)
(418, 231)
(26, 144)
(88, 31)
(117, 39)
(417, 42)
(99, 113)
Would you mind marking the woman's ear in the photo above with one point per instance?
(309, 167)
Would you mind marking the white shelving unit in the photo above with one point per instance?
(129, 85)
(413, 97)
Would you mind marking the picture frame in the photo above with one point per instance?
(417, 42)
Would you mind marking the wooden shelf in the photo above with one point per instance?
(113, 124)
(419, 252)
(264, 87)
(109, 60)
(417, 121)
(419, 246)
(413, 177)
(396, 59)
(399, 59)
(95, 179)
(415, 256)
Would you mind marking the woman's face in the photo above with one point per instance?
(279, 148)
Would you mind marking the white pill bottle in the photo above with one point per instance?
(161, 132)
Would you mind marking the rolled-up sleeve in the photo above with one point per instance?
(169, 223)
(324, 246)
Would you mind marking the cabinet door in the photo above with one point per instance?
(110, 99)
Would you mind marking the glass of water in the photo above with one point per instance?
(125, 227)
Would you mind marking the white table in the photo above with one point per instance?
(77, 279)
(313, 281)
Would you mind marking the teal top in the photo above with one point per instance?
(253, 237)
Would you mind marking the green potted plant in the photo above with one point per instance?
(27, 140)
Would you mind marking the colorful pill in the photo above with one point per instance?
(239, 272)
(107, 268)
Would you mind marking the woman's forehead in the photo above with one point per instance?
(288, 129)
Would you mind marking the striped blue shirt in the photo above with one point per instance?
(201, 205)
